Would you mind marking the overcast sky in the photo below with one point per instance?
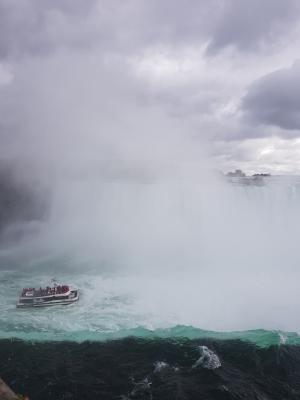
(136, 80)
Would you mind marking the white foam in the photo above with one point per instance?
(282, 338)
(208, 359)
(160, 365)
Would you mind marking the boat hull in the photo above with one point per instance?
(48, 303)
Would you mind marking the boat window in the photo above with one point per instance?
(63, 297)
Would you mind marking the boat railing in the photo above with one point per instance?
(48, 291)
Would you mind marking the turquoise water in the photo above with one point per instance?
(260, 337)
(114, 308)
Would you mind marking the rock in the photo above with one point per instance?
(6, 393)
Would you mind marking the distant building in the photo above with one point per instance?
(238, 177)
(262, 175)
(238, 173)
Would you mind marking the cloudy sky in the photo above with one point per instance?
(133, 82)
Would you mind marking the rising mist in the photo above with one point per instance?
(120, 141)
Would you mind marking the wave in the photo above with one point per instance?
(259, 337)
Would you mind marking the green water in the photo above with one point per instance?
(260, 337)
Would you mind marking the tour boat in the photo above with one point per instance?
(48, 296)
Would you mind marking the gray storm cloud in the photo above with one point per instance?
(36, 27)
(274, 100)
(250, 25)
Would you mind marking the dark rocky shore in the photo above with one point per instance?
(151, 369)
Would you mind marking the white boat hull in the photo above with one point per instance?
(40, 302)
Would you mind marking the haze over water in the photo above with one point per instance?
(151, 256)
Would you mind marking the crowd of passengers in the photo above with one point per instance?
(59, 289)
